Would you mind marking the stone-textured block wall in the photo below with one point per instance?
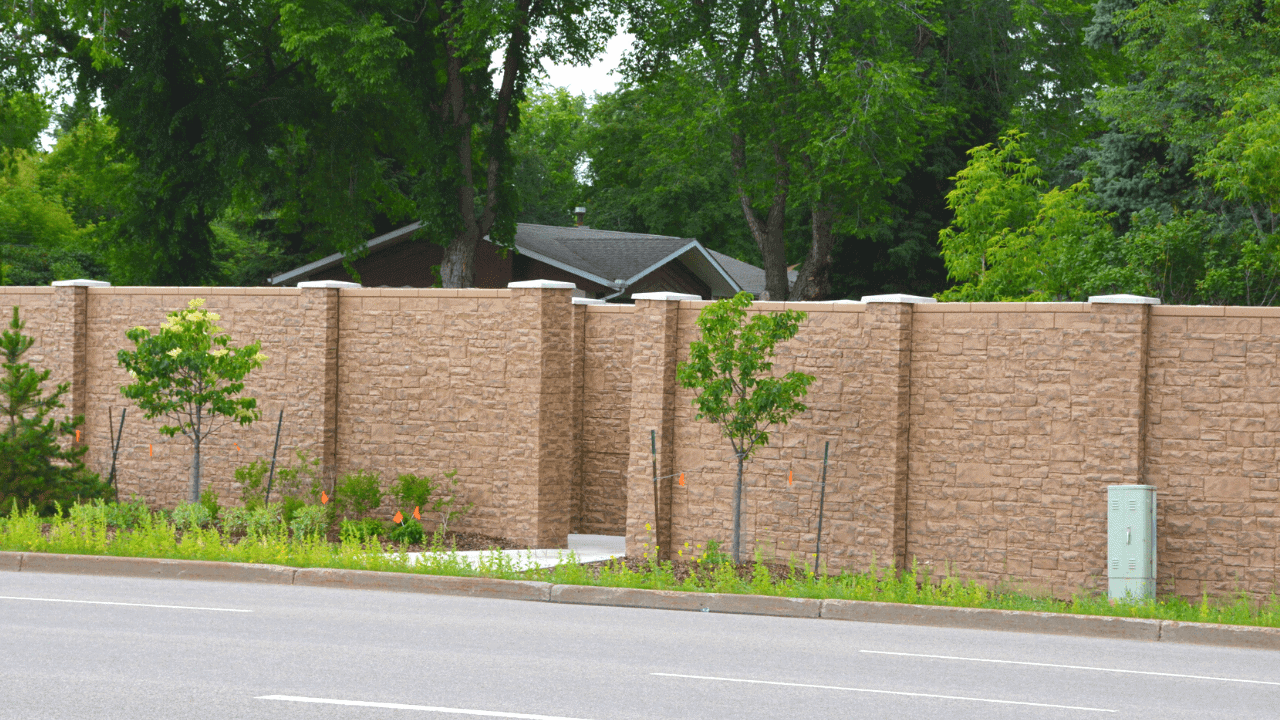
(291, 328)
(1021, 414)
(436, 380)
(1213, 399)
(780, 517)
(608, 337)
(976, 436)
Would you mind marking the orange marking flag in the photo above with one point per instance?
(416, 515)
(324, 498)
(237, 446)
(77, 436)
(790, 476)
(398, 519)
(681, 479)
(151, 450)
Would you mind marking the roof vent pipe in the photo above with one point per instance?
(581, 212)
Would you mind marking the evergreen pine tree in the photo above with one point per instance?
(37, 466)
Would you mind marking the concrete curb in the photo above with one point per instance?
(676, 600)
(1118, 628)
(1241, 636)
(986, 619)
(157, 568)
(433, 584)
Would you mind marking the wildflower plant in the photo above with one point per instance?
(191, 375)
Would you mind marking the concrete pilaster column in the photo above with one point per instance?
(320, 304)
(653, 397)
(1115, 382)
(540, 362)
(73, 313)
(886, 425)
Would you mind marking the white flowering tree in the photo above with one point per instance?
(190, 375)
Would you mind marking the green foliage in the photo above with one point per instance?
(730, 368)
(189, 516)
(357, 494)
(40, 465)
(412, 491)
(209, 500)
(252, 479)
(84, 531)
(1014, 239)
(309, 521)
(358, 531)
(447, 507)
(548, 152)
(191, 375)
(408, 532)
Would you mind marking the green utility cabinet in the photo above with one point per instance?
(1131, 542)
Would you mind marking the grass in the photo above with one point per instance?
(153, 535)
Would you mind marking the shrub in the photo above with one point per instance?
(361, 530)
(235, 520)
(210, 502)
(264, 521)
(448, 508)
(252, 479)
(412, 492)
(40, 466)
(408, 533)
(127, 515)
(309, 521)
(357, 494)
(189, 516)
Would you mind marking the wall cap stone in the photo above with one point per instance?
(80, 283)
(898, 298)
(1124, 299)
(328, 284)
(543, 284)
(587, 301)
(665, 296)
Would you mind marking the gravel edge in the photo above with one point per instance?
(1239, 636)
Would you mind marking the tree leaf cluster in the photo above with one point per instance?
(41, 459)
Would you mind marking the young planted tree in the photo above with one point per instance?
(36, 467)
(731, 370)
(191, 375)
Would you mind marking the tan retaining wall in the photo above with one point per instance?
(976, 437)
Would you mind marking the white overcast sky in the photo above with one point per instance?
(595, 78)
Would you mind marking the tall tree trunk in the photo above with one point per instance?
(814, 280)
(195, 460)
(769, 235)
(737, 514)
(458, 267)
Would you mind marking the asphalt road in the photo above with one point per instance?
(90, 647)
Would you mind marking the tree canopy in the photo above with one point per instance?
(997, 149)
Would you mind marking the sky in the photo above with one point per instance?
(593, 79)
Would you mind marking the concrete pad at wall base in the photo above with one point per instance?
(986, 619)
(433, 584)
(157, 568)
(10, 561)
(1258, 638)
(689, 601)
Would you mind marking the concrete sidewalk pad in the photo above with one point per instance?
(582, 548)
(1259, 638)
